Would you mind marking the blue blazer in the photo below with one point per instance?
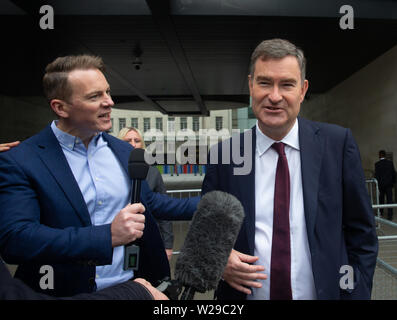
(44, 218)
(339, 218)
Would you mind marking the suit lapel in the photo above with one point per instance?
(51, 154)
(245, 184)
(311, 151)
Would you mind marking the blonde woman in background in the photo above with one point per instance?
(134, 137)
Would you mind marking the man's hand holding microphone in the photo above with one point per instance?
(128, 226)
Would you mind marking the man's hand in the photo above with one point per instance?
(128, 224)
(8, 146)
(240, 274)
(157, 295)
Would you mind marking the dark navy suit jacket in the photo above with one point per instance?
(339, 218)
(44, 218)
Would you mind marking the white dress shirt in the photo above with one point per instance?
(302, 282)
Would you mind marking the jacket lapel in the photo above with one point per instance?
(311, 150)
(245, 184)
(51, 154)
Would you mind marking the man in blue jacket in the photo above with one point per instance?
(65, 192)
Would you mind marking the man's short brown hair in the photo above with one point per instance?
(55, 80)
(278, 49)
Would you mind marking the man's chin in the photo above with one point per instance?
(104, 128)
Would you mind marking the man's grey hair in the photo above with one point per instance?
(278, 49)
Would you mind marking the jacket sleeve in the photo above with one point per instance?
(358, 222)
(167, 208)
(26, 236)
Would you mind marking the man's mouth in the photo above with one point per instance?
(105, 115)
(273, 108)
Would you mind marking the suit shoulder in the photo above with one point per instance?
(329, 130)
(24, 150)
(328, 127)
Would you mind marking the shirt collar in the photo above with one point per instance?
(67, 140)
(263, 142)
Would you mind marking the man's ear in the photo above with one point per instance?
(60, 107)
(304, 90)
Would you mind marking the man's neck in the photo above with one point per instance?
(275, 134)
(85, 136)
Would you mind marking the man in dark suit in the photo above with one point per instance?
(386, 176)
(65, 193)
(309, 229)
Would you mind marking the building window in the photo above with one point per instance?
(146, 124)
(183, 123)
(159, 124)
(196, 124)
(134, 123)
(219, 123)
(171, 124)
(122, 123)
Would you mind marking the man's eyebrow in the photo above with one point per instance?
(259, 78)
(289, 80)
(285, 80)
(96, 92)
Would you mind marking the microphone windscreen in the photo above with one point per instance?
(137, 166)
(209, 241)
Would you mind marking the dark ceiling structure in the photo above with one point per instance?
(186, 56)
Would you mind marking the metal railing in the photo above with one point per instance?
(385, 278)
(184, 193)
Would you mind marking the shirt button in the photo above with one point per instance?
(99, 202)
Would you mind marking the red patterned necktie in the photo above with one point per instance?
(280, 269)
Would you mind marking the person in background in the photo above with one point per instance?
(386, 176)
(134, 137)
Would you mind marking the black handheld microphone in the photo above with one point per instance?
(137, 169)
(210, 239)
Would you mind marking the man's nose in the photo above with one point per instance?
(275, 96)
(108, 101)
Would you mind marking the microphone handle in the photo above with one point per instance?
(136, 191)
(171, 288)
(188, 293)
(131, 250)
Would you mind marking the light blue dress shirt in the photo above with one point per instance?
(106, 189)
